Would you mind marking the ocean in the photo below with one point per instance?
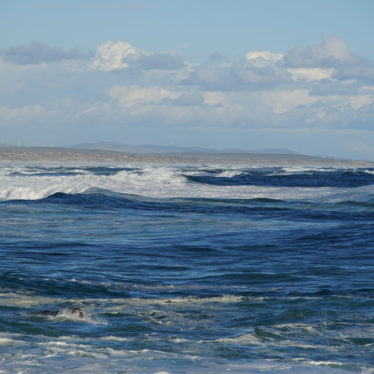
(194, 264)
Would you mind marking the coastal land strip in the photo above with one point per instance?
(30, 155)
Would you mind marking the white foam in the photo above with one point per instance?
(303, 169)
(75, 354)
(179, 340)
(245, 339)
(72, 314)
(188, 300)
(299, 326)
(319, 363)
(25, 300)
(153, 182)
(114, 338)
(6, 341)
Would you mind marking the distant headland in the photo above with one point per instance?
(153, 154)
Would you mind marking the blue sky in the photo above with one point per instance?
(222, 74)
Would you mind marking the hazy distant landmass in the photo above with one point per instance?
(152, 149)
(139, 149)
(168, 155)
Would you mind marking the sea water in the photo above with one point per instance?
(186, 268)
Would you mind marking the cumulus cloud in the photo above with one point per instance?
(129, 96)
(283, 101)
(333, 58)
(111, 56)
(36, 53)
(299, 88)
(263, 74)
(362, 71)
(259, 70)
(323, 86)
(261, 58)
(189, 99)
(331, 52)
(214, 98)
(360, 101)
(329, 87)
(310, 74)
(254, 72)
(330, 61)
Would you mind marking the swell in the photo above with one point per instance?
(280, 178)
(59, 171)
(100, 199)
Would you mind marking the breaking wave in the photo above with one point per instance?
(33, 183)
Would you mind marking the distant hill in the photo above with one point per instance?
(110, 146)
(94, 152)
(148, 149)
(274, 151)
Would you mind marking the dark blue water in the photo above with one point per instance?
(202, 270)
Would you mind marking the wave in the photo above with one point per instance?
(40, 171)
(210, 329)
(63, 314)
(106, 199)
(289, 178)
(292, 184)
(258, 208)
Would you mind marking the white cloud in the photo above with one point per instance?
(189, 99)
(256, 56)
(122, 55)
(357, 102)
(112, 56)
(310, 74)
(324, 86)
(261, 68)
(330, 53)
(335, 47)
(283, 101)
(129, 96)
(214, 98)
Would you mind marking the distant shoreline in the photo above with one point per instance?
(68, 155)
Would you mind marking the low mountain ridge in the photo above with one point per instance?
(147, 148)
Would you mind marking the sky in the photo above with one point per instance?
(221, 74)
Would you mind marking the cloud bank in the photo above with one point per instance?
(36, 53)
(112, 56)
(311, 89)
